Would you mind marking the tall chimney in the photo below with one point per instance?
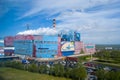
(54, 23)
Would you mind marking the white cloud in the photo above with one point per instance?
(1, 41)
(73, 15)
(55, 6)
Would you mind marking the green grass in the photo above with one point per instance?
(14, 74)
(108, 64)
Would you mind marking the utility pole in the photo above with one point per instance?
(27, 25)
(91, 56)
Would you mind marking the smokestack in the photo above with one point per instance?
(54, 23)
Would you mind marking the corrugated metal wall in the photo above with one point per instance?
(24, 37)
(67, 53)
(59, 47)
(89, 48)
(8, 52)
(24, 47)
(2, 50)
(8, 41)
(47, 47)
(79, 45)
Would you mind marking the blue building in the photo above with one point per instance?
(70, 36)
(40, 46)
(47, 47)
(24, 47)
(68, 42)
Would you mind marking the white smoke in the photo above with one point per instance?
(54, 31)
(40, 31)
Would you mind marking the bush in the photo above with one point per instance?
(33, 68)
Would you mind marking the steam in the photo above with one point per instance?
(40, 31)
(54, 31)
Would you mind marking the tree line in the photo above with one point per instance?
(76, 73)
(108, 55)
(107, 75)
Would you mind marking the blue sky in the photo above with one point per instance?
(98, 21)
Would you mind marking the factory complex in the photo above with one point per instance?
(46, 46)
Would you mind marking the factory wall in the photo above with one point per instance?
(37, 46)
(8, 51)
(1, 47)
(89, 48)
(70, 36)
(59, 47)
(8, 41)
(8, 46)
(24, 37)
(47, 47)
(67, 48)
(24, 47)
(79, 45)
(1, 51)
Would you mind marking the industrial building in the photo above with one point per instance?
(68, 41)
(39, 46)
(47, 46)
(8, 45)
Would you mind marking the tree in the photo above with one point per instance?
(58, 70)
(101, 74)
(79, 73)
(82, 51)
(42, 69)
(113, 75)
(32, 68)
(68, 72)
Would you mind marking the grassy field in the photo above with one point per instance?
(14, 74)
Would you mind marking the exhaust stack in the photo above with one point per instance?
(54, 23)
